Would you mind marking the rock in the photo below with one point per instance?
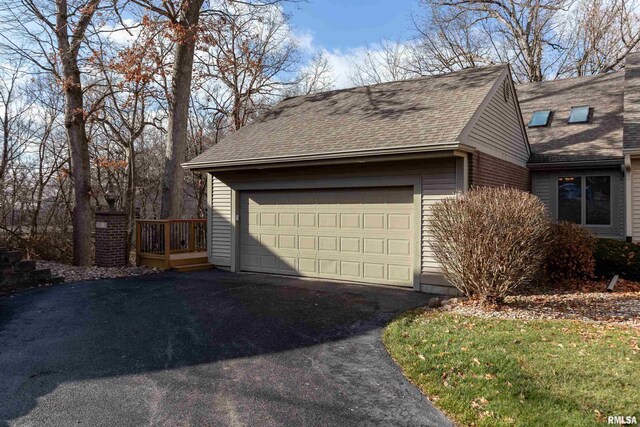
(434, 302)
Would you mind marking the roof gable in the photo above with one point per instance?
(497, 127)
(423, 112)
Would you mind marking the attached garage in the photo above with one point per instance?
(340, 185)
(361, 234)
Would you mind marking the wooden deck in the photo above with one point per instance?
(172, 244)
(180, 262)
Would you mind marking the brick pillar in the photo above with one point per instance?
(111, 239)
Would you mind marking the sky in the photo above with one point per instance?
(344, 28)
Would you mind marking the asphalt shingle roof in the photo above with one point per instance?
(423, 111)
(601, 139)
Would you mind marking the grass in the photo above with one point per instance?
(495, 372)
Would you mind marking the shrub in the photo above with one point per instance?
(490, 241)
(617, 257)
(49, 246)
(569, 254)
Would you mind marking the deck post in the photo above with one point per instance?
(192, 237)
(138, 242)
(167, 244)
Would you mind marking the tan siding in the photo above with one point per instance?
(635, 199)
(437, 183)
(220, 220)
(498, 131)
(541, 187)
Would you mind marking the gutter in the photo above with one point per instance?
(347, 156)
(583, 164)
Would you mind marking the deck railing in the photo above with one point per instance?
(158, 239)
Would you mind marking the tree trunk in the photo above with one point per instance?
(130, 198)
(80, 168)
(75, 121)
(173, 179)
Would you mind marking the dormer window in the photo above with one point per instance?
(580, 114)
(540, 119)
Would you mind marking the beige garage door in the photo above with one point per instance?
(350, 234)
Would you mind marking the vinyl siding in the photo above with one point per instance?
(438, 183)
(220, 223)
(541, 187)
(498, 129)
(635, 199)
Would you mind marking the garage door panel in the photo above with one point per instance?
(374, 271)
(328, 243)
(373, 246)
(327, 220)
(374, 221)
(307, 220)
(307, 265)
(307, 243)
(351, 234)
(287, 219)
(350, 244)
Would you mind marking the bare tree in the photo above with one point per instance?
(449, 41)
(315, 77)
(50, 35)
(523, 33)
(129, 83)
(15, 123)
(182, 18)
(599, 36)
(248, 59)
(386, 61)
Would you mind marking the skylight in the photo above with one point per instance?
(540, 118)
(579, 114)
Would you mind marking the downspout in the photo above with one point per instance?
(628, 198)
(462, 171)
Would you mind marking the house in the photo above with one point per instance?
(339, 185)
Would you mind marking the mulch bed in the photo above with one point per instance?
(589, 303)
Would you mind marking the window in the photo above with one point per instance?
(585, 200)
(598, 203)
(580, 114)
(570, 199)
(540, 118)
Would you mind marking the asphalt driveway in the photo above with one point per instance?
(206, 348)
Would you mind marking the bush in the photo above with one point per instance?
(569, 255)
(49, 246)
(490, 241)
(617, 257)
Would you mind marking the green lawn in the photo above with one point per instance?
(492, 372)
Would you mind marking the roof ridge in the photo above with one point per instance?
(591, 76)
(410, 79)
